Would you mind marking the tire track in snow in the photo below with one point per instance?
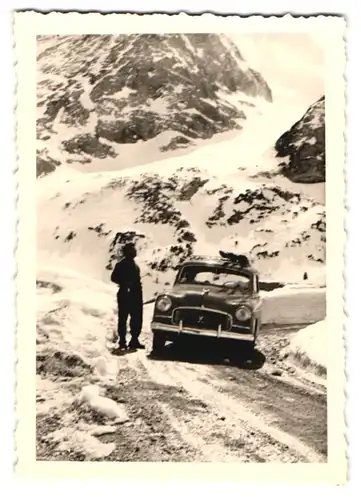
(270, 443)
(243, 421)
(199, 428)
(291, 408)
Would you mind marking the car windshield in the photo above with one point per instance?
(215, 276)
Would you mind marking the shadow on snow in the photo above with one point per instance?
(213, 352)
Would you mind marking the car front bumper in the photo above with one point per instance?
(174, 331)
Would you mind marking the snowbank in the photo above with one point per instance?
(76, 317)
(91, 396)
(294, 305)
(77, 426)
(308, 347)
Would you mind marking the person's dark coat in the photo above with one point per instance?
(126, 275)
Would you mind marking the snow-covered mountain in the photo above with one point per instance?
(304, 146)
(232, 194)
(95, 93)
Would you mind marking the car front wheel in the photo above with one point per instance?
(159, 339)
(246, 351)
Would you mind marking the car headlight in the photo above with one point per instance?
(243, 313)
(164, 304)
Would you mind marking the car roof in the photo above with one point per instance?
(217, 261)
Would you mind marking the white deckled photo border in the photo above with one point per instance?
(331, 29)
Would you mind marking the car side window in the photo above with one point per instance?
(187, 276)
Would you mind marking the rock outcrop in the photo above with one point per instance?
(45, 163)
(303, 146)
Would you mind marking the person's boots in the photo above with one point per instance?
(135, 344)
(122, 343)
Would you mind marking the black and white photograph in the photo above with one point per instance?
(182, 279)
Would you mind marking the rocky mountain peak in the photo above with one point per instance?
(95, 92)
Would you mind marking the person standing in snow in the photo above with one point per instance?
(126, 274)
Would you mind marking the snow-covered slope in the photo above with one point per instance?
(96, 94)
(173, 208)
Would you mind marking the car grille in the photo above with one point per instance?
(202, 319)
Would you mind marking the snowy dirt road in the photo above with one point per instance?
(192, 405)
(199, 402)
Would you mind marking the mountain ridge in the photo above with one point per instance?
(100, 92)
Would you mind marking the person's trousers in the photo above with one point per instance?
(130, 306)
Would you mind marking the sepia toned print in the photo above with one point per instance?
(183, 201)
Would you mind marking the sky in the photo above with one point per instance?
(292, 64)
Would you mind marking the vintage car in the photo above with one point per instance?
(211, 297)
